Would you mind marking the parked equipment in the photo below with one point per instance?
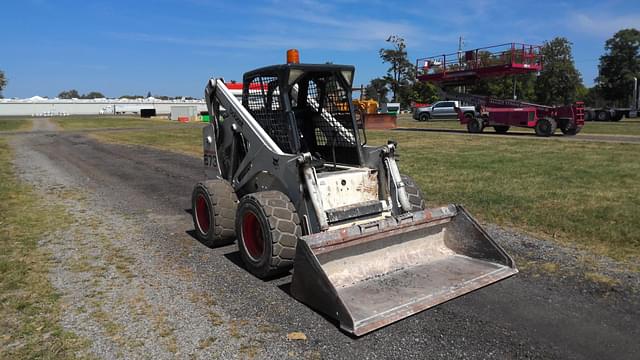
(504, 114)
(616, 113)
(465, 68)
(289, 174)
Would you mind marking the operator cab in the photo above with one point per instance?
(306, 108)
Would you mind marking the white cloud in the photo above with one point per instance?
(602, 25)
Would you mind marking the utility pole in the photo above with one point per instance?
(460, 46)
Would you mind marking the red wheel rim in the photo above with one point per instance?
(202, 214)
(252, 235)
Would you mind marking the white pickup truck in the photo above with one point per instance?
(442, 109)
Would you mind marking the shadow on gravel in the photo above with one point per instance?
(286, 288)
(235, 258)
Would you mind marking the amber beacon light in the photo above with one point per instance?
(293, 56)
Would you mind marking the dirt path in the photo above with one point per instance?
(43, 124)
(631, 139)
(138, 285)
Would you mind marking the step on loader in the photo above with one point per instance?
(291, 177)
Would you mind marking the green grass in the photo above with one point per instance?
(579, 192)
(582, 193)
(29, 306)
(186, 140)
(14, 124)
(102, 122)
(624, 127)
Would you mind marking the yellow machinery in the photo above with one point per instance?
(366, 106)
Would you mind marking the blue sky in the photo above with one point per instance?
(172, 47)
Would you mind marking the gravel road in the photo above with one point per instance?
(138, 285)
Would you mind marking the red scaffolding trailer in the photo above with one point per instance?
(467, 67)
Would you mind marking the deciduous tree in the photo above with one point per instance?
(401, 71)
(377, 90)
(559, 79)
(69, 94)
(618, 66)
(3, 82)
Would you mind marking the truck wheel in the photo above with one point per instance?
(589, 115)
(545, 127)
(424, 117)
(268, 228)
(602, 115)
(617, 116)
(416, 199)
(475, 126)
(501, 129)
(213, 208)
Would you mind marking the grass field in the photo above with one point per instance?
(15, 124)
(185, 140)
(624, 127)
(29, 307)
(582, 193)
(102, 122)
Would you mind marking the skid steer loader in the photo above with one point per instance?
(291, 177)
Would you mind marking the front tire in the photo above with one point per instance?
(475, 126)
(545, 127)
(213, 208)
(424, 117)
(268, 228)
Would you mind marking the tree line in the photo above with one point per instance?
(73, 94)
(558, 83)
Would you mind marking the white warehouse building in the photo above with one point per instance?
(38, 106)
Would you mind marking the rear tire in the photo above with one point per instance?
(213, 208)
(501, 129)
(268, 228)
(570, 130)
(424, 117)
(545, 127)
(416, 198)
(475, 126)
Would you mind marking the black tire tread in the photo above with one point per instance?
(475, 130)
(553, 124)
(284, 226)
(224, 203)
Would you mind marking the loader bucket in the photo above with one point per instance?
(368, 276)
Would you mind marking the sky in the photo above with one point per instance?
(169, 47)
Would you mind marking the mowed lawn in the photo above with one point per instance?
(15, 124)
(102, 122)
(624, 127)
(582, 193)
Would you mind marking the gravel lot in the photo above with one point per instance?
(138, 285)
